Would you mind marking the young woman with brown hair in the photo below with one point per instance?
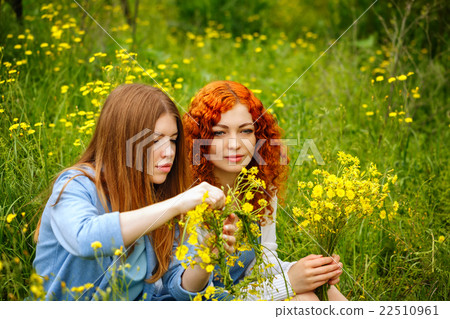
(243, 134)
(123, 193)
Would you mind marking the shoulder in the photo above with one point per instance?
(75, 179)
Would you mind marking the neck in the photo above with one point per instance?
(225, 179)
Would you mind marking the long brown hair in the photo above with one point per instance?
(130, 109)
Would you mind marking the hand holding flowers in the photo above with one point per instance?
(314, 271)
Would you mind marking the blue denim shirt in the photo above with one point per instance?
(66, 259)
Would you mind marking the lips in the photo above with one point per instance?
(165, 168)
(234, 158)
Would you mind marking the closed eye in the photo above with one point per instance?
(247, 131)
(218, 133)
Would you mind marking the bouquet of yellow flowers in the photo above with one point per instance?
(332, 203)
(210, 252)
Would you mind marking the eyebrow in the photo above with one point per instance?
(161, 134)
(245, 124)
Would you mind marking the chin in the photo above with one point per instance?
(159, 178)
(232, 168)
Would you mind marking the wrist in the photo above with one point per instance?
(176, 206)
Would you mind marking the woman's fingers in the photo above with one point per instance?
(312, 256)
(327, 276)
(215, 198)
(325, 269)
(337, 276)
(215, 201)
(318, 262)
(229, 243)
(334, 281)
(229, 229)
(231, 219)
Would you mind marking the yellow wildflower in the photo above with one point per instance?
(10, 218)
(193, 239)
(247, 208)
(262, 202)
(441, 239)
(297, 212)
(394, 179)
(329, 205)
(181, 252)
(350, 194)
(340, 192)
(96, 245)
(198, 297)
(118, 252)
(64, 89)
(209, 291)
(304, 224)
(249, 196)
(209, 268)
(401, 77)
(317, 191)
(383, 214)
(395, 206)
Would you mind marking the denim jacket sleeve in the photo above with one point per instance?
(77, 220)
(172, 278)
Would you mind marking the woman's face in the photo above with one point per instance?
(234, 141)
(162, 152)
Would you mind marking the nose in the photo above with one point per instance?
(168, 150)
(234, 144)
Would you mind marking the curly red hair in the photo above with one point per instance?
(205, 112)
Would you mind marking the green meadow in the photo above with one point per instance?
(375, 89)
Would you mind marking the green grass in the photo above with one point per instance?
(403, 260)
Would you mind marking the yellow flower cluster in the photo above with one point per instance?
(334, 200)
(37, 286)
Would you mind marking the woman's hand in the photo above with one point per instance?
(195, 279)
(313, 271)
(228, 230)
(194, 196)
(336, 279)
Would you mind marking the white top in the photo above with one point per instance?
(280, 288)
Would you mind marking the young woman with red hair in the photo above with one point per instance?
(117, 202)
(242, 134)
